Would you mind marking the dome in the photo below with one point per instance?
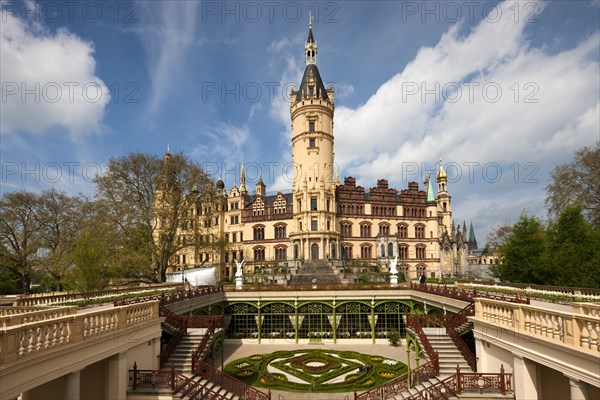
(220, 184)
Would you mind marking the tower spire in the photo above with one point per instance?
(310, 48)
(243, 190)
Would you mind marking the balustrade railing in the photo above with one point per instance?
(62, 298)
(229, 383)
(17, 342)
(174, 297)
(453, 324)
(468, 294)
(460, 383)
(579, 328)
(178, 383)
(26, 315)
(179, 326)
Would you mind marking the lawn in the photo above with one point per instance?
(315, 370)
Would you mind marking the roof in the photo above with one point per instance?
(320, 87)
(269, 200)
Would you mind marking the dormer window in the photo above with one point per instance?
(311, 90)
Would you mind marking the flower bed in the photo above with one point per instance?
(315, 370)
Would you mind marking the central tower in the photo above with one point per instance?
(311, 109)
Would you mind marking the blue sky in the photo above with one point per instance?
(501, 91)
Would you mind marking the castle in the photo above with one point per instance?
(321, 218)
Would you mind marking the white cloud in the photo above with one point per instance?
(168, 35)
(48, 80)
(548, 107)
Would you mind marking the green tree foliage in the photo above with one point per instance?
(91, 270)
(20, 237)
(566, 253)
(572, 251)
(148, 201)
(577, 183)
(521, 255)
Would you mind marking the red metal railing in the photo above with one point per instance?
(229, 383)
(177, 382)
(179, 326)
(460, 383)
(453, 322)
(418, 375)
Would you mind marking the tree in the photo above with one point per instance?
(149, 201)
(20, 238)
(572, 251)
(59, 217)
(91, 272)
(577, 183)
(521, 256)
(499, 235)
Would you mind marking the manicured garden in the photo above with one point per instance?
(315, 370)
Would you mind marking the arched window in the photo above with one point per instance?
(382, 250)
(390, 250)
(402, 231)
(259, 232)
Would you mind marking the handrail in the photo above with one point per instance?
(424, 372)
(174, 297)
(75, 296)
(213, 324)
(468, 294)
(460, 383)
(180, 326)
(174, 380)
(413, 321)
(229, 383)
(452, 323)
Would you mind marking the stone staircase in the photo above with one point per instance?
(416, 389)
(209, 386)
(320, 270)
(181, 360)
(449, 355)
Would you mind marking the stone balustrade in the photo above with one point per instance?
(12, 316)
(20, 341)
(39, 300)
(540, 291)
(579, 328)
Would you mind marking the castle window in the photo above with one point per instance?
(402, 231)
(403, 252)
(259, 232)
(346, 229)
(280, 232)
(313, 204)
(314, 225)
(281, 253)
(312, 143)
(259, 254)
(311, 126)
(419, 231)
(421, 252)
(365, 230)
(384, 229)
(365, 251)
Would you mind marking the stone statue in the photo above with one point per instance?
(239, 268)
(393, 264)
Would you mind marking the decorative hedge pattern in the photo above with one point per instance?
(315, 370)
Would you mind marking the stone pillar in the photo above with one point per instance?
(579, 389)
(322, 250)
(480, 350)
(118, 376)
(156, 351)
(72, 385)
(525, 376)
